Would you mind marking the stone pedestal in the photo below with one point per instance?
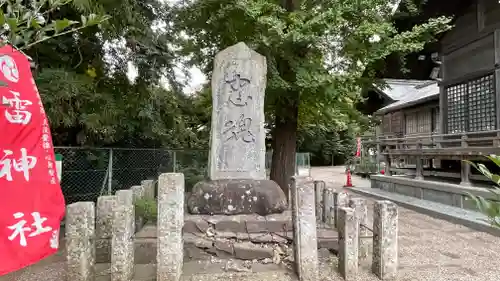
(232, 197)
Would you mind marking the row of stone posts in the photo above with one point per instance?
(106, 234)
(313, 203)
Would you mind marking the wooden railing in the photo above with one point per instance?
(440, 140)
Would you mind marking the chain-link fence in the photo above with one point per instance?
(88, 173)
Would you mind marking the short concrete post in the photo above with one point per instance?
(122, 244)
(329, 203)
(348, 243)
(385, 240)
(149, 189)
(104, 227)
(170, 222)
(126, 197)
(319, 186)
(138, 194)
(306, 249)
(80, 247)
(361, 213)
(341, 199)
(293, 205)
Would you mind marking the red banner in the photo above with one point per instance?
(32, 204)
(358, 147)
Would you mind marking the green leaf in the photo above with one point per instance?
(35, 23)
(61, 25)
(2, 18)
(12, 23)
(495, 159)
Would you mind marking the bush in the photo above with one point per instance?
(147, 209)
(491, 208)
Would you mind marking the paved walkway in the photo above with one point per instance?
(430, 249)
(433, 249)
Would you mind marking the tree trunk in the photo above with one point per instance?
(285, 124)
(284, 145)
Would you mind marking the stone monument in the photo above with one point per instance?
(237, 176)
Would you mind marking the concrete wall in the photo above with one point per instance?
(445, 193)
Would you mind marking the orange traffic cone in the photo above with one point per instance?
(349, 179)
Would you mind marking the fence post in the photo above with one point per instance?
(175, 161)
(361, 213)
(122, 243)
(304, 221)
(348, 243)
(340, 199)
(80, 243)
(104, 227)
(328, 205)
(319, 186)
(385, 240)
(110, 172)
(170, 252)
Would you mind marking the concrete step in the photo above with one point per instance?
(468, 218)
(240, 245)
(210, 270)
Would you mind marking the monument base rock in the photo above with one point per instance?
(237, 196)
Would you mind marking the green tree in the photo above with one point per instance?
(83, 79)
(317, 53)
(26, 25)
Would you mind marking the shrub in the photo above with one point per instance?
(147, 209)
(491, 208)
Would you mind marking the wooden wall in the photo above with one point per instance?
(417, 120)
(469, 90)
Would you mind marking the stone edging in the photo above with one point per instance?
(476, 225)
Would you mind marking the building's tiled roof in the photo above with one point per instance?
(408, 93)
(397, 89)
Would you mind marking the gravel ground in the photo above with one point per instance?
(430, 249)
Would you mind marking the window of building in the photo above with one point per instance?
(424, 121)
(435, 116)
(482, 115)
(418, 122)
(471, 106)
(386, 123)
(411, 123)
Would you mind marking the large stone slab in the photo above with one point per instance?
(237, 196)
(237, 143)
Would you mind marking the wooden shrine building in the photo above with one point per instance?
(433, 125)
